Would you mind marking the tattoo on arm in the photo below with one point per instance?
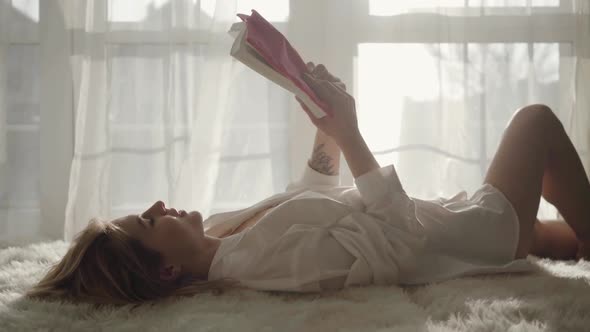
(322, 162)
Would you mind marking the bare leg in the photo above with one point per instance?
(554, 239)
(536, 157)
(566, 186)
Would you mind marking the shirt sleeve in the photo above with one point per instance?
(312, 178)
(376, 184)
(384, 198)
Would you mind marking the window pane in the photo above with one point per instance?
(255, 148)
(23, 85)
(151, 103)
(137, 10)
(21, 187)
(19, 153)
(151, 85)
(513, 3)
(19, 184)
(145, 171)
(388, 7)
(159, 14)
(249, 155)
(140, 81)
(156, 15)
(23, 20)
(28, 9)
(238, 187)
(136, 83)
(272, 10)
(449, 100)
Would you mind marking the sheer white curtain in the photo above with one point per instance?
(436, 82)
(109, 105)
(151, 104)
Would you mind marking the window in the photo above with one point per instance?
(358, 39)
(401, 55)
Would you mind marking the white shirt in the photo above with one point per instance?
(326, 236)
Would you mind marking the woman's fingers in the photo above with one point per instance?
(322, 87)
(326, 90)
(323, 91)
(320, 71)
(340, 88)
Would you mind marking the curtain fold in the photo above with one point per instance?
(576, 96)
(4, 24)
(163, 140)
(19, 128)
(4, 43)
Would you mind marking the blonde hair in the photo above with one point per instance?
(105, 265)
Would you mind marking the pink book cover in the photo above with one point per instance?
(278, 52)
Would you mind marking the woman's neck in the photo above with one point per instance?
(205, 257)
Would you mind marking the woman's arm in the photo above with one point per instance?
(359, 158)
(342, 127)
(325, 157)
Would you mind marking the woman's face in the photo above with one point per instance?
(177, 236)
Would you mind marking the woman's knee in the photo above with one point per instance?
(537, 116)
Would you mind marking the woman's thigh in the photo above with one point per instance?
(518, 166)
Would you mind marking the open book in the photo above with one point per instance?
(264, 49)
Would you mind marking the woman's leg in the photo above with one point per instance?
(536, 157)
(554, 239)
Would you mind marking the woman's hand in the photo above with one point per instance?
(343, 124)
(320, 71)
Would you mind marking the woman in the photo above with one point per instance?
(319, 236)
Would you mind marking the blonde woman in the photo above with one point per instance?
(319, 236)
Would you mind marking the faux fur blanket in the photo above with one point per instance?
(556, 297)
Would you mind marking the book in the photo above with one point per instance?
(264, 49)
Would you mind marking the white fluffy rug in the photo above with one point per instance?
(554, 298)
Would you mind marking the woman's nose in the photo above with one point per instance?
(159, 206)
(157, 209)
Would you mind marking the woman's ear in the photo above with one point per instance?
(169, 272)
